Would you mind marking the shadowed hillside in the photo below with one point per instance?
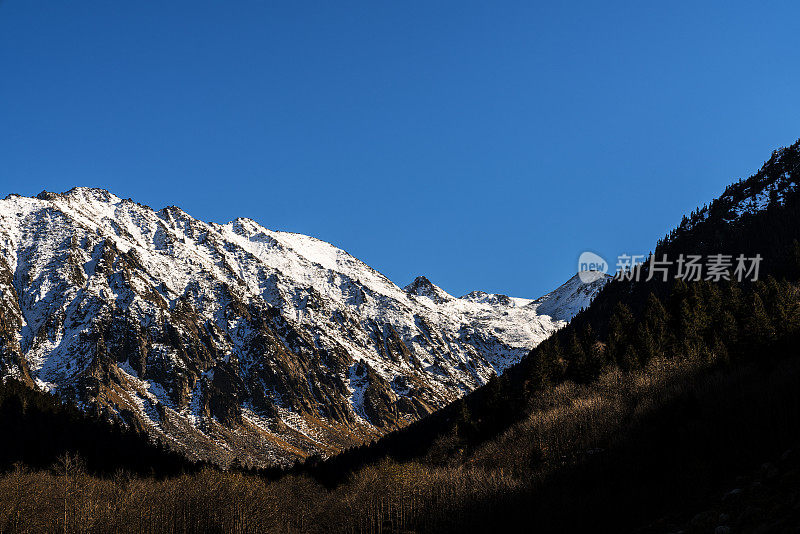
(39, 431)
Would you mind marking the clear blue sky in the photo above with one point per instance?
(484, 145)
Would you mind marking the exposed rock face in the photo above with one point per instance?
(232, 340)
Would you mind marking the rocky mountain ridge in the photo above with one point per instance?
(234, 341)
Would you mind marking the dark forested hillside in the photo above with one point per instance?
(39, 431)
(633, 322)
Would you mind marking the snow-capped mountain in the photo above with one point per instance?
(575, 294)
(234, 341)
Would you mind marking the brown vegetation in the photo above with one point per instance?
(572, 428)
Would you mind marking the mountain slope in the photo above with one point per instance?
(630, 323)
(574, 295)
(234, 341)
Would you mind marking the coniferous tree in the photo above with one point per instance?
(557, 359)
(728, 328)
(732, 297)
(579, 368)
(656, 321)
(794, 260)
(782, 304)
(465, 426)
(719, 351)
(687, 334)
(619, 330)
(648, 347)
(540, 367)
(759, 328)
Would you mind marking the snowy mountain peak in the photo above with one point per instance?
(572, 296)
(234, 340)
(422, 287)
(587, 277)
(494, 299)
(81, 194)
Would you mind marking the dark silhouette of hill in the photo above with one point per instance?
(39, 430)
(631, 322)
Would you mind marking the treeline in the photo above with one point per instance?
(697, 321)
(38, 430)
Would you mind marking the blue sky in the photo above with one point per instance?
(483, 144)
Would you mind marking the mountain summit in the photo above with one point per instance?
(573, 296)
(235, 341)
(422, 287)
